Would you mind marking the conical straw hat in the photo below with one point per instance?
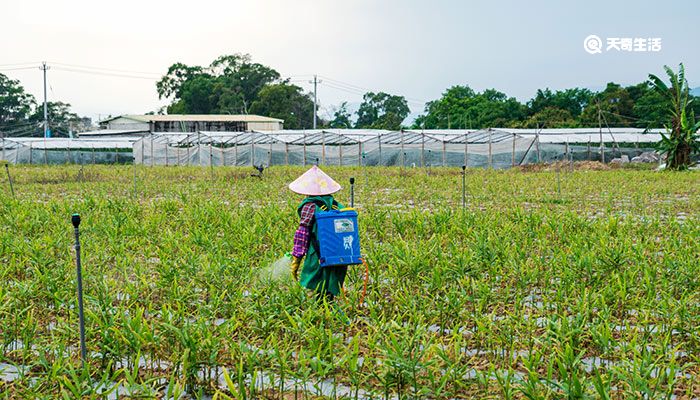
(314, 182)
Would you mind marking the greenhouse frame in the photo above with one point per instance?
(23, 150)
(493, 147)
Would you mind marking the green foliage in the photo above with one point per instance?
(15, 106)
(461, 107)
(287, 102)
(550, 117)
(682, 139)
(571, 100)
(616, 106)
(20, 115)
(612, 107)
(229, 85)
(381, 111)
(651, 109)
(514, 296)
(341, 117)
(61, 118)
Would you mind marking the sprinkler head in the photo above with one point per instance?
(352, 181)
(75, 219)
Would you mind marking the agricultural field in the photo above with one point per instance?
(581, 286)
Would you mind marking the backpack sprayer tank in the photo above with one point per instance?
(338, 237)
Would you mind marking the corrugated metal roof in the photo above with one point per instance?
(111, 132)
(197, 118)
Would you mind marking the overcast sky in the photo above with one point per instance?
(412, 48)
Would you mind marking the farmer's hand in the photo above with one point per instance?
(296, 264)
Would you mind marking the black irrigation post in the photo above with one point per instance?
(558, 180)
(352, 192)
(75, 219)
(464, 187)
(571, 161)
(134, 170)
(9, 178)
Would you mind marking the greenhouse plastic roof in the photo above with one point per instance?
(584, 135)
(125, 138)
(67, 143)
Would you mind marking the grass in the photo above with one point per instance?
(529, 292)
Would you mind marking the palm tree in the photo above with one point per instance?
(682, 140)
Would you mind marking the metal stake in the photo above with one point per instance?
(352, 192)
(464, 187)
(75, 219)
(9, 178)
(558, 182)
(135, 189)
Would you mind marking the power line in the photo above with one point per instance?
(16, 64)
(104, 73)
(16, 69)
(627, 117)
(344, 89)
(122, 71)
(353, 86)
(18, 125)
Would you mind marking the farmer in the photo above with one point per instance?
(327, 281)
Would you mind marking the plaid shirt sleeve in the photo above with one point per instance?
(301, 236)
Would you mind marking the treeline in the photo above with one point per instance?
(21, 115)
(235, 84)
(616, 106)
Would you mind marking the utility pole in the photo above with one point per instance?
(46, 113)
(315, 82)
(600, 131)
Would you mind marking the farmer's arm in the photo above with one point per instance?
(301, 236)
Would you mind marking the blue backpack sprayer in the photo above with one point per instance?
(339, 238)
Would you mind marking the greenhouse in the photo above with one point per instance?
(495, 148)
(489, 148)
(23, 150)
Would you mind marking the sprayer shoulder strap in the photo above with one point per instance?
(323, 206)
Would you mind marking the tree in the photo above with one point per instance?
(461, 107)
(550, 117)
(682, 130)
(15, 107)
(572, 100)
(240, 81)
(381, 111)
(61, 118)
(229, 85)
(611, 107)
(197, 96)
(178, 73)
(287, 102)
(341, 117)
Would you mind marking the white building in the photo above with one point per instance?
(192, 123)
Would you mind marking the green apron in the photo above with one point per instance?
(323, 280)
